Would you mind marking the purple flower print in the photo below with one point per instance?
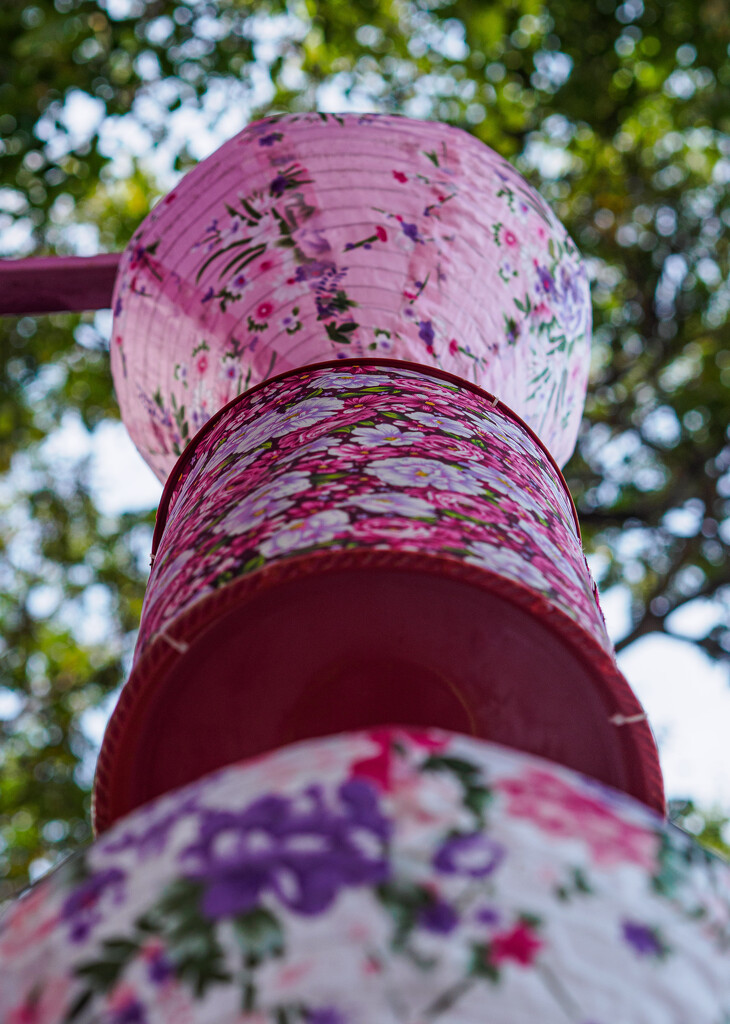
(303, 851)
(569, 301)
(307, 413)
(385, 434)
(81, 908)
(326, 1015)
(500, 559)
(306, 533)
(474, 855)
(160, 968)
(230, 370)
(438, 917)
(644, 939)
(445, 423)
(488, 916)
(313, 270)
(249, 436)
(351, 381)
(262, 504)
(149, 833)
(426, 334)
(395, 503)
(411, 231)
(131, 1011)
(278, 186)
(414, 472)
(545, 287)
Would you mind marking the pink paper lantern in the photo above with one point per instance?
(355, 544)
(375, 878)
(311, 237)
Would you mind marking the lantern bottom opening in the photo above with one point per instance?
(316, 647)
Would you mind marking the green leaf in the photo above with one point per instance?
(259, 935)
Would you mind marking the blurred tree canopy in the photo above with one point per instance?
(618, 112)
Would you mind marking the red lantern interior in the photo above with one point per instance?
(325, 651)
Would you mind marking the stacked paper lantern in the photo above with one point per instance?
(365, 342)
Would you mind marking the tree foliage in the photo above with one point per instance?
(619, 113)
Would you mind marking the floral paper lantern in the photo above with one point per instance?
(349, 545)
(311, 237)
(379, 877)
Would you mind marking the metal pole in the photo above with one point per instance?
(57, 284)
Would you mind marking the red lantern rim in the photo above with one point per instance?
(403, 364)
(116, 759)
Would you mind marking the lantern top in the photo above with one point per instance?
(311, 237)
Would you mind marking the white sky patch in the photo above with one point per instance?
(120, 479)
(687, 699)
(685, 695)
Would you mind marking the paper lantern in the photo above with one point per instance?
(377, 877)
(311, 237)
(355, 544)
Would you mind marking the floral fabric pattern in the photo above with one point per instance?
(312, 237)
(368, 457)
(376, 877)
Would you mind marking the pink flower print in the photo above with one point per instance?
(201, 363)
(41, 1007)
(405, 534)
(27, 922)
(393, 503)
(263, 504)
(287, 289)
(349, 381)
(299, 534)
(381, 233)
(453, 347)
(496, 558)
(124, 1005)
(542, 311)
(443, 423)
(264, 310)
(266, 264)
(566, 812)
(454, 449)
(229, 370)
(520, 945)
(307, 413)
(400, 176)
(509, 238)
(385, 434)
(379, 768)
(415, 472)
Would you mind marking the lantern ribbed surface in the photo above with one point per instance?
(311, 237)
(348, 545)
(382, 876)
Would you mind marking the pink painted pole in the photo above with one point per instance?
(57, 284)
